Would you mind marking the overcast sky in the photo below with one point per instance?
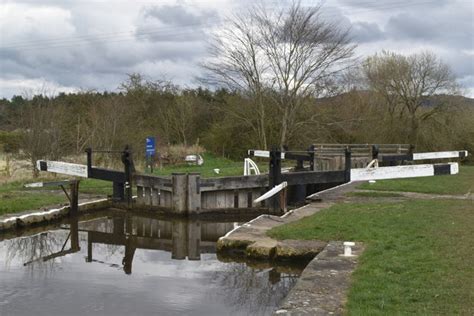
(69, 45)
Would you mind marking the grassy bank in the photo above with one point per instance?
(419, 253)
(14, 197)
(461, 183)
(226, 167)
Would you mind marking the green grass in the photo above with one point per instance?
(13, 202)
(374, 194)
(14, 197)
(94, 186)
(418, 258)
(226, 167)
(461, 183)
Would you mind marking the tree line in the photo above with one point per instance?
(273, 78)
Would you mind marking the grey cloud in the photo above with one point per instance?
(170, 39)
(405, 26)
(170, 23)
(453, 28)
(364, 32)
(178, 15)
(364, 5)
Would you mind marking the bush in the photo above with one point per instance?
(175, 154)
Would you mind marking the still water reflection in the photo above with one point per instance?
(118, 264)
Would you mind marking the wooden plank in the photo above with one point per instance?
(234, 183)
(263, 153)
(162, 183)
(220, 199)
(209, 200)
(399, 172)
(272, 192)
(180, 182)
(140, 198)
(71, 169)
(313, 177)
(147, 197)
(165, 198)
(193, 193)
(440, 155)
(47, 184)
(243, 199)
(229, 199)
(155, 197)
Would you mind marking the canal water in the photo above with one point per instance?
(117, 264)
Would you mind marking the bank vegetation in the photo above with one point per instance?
(273, 78)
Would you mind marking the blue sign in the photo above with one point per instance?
(150, 146)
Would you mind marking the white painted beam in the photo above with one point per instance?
(272, 192)
(67, 168)
(440, 155)
(400, 172)
(262, 153)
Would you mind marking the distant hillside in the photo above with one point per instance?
(453, 100)
(431, 101)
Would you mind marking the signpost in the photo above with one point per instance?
(150, 151)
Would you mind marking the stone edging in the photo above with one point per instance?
(323, 285)
(250, 239)
(35, 218)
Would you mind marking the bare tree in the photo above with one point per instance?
(407, 82)
(238, 63)
(290, 54)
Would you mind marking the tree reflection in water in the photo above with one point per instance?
(30, 250)
(258, 289)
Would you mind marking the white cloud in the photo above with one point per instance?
(22, 25)
(28, 87)
(94, 44)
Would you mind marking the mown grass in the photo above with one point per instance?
(373, 194)
(226, 167)
(461, 183)
(14, 197)
(15, 202)
(418, 257)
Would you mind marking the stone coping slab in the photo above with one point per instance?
(323, 285)
(26, 219)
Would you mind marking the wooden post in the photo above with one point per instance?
(148, 198)
(89, 161)
(179, 239)
(89, 247)
(375, 152)
(193, 193)
(155, 197)
(275, 176)
(140, 198)
(74, 231)
(179, 199)
(283, 198)
(194, 240)
(347, 162)
(311, 151)
(74, 197)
